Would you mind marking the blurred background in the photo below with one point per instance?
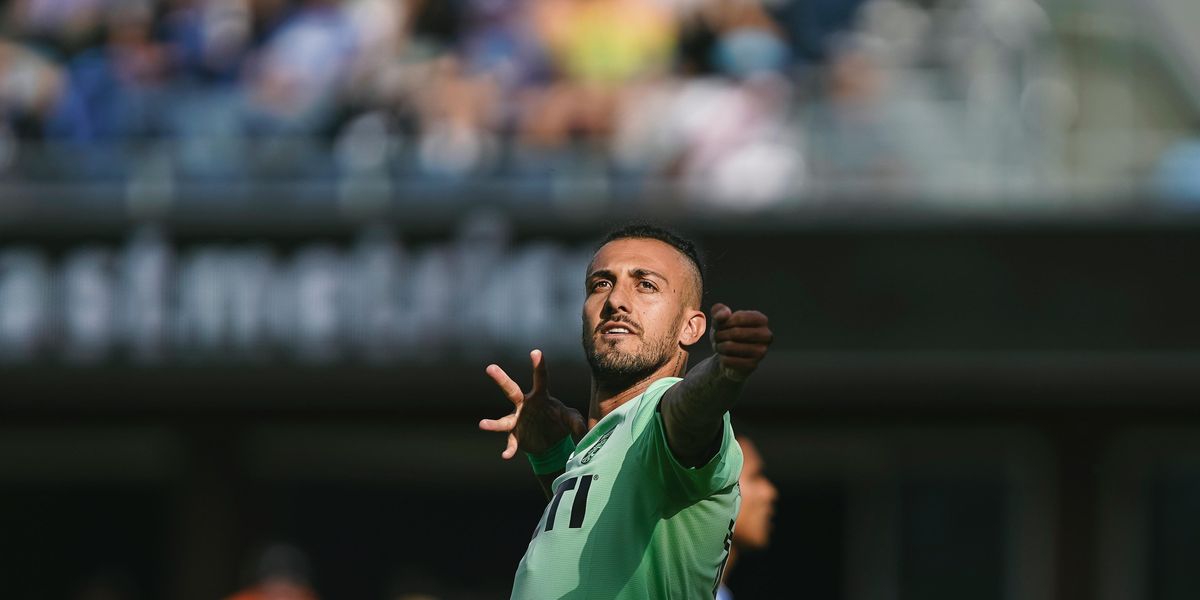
(255, 254)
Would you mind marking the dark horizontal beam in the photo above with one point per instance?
(841, 383)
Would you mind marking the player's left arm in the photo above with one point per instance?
(693, 409)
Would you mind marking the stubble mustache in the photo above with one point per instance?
(635, 327)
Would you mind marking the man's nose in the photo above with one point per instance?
(617, 300)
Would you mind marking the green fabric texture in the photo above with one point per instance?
(628, 521)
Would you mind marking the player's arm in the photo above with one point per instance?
(538, 422)
(693, 409)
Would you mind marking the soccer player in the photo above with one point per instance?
(644, 505)
(753, 529)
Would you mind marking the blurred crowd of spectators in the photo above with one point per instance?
(738, 101)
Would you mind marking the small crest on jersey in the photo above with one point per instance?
(587, 458)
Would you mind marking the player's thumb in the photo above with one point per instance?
(720, 313)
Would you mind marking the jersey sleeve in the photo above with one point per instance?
(681, 483)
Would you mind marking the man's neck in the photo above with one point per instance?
(606, 399)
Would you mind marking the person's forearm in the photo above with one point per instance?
(693, 410)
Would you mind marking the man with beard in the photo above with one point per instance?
(644, 505)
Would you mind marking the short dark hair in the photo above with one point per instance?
(648, 231)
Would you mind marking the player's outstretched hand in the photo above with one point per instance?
(539, 420)
(740, 340)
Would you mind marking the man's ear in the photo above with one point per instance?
(693, 328)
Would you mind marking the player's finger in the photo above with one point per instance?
(741, 365)
(745, 335)
(541, 377)
(720, 313)
(511, 450)
(507, 385)
(740, 350)
(746, 318)
(502, 424)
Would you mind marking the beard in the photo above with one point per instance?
(612, 365)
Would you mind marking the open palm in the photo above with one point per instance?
(539, 420)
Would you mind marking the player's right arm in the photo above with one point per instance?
(538, 422)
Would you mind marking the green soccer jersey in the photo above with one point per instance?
(627, 521)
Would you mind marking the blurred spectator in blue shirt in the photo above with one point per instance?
(1177, 176)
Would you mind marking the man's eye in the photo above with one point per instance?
(647, 285)
(599, 284)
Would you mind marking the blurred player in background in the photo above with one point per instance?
(644, 506)
(753, 529)
(281, 572)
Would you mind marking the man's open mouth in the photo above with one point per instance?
(614, 329)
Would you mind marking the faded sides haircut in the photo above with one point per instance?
(646, 231)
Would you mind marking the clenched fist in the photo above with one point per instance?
(740, 340)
